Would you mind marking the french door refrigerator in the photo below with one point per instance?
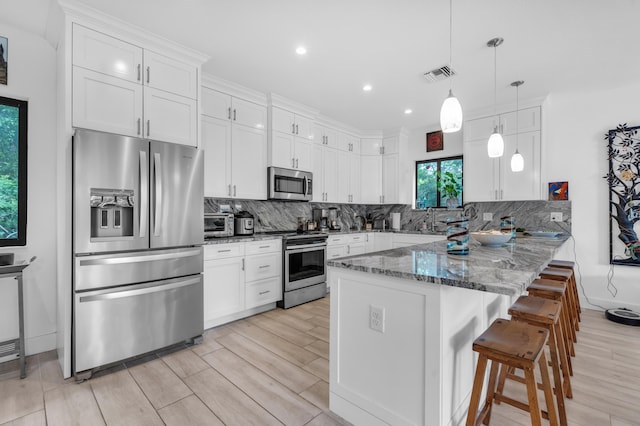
(138, 233)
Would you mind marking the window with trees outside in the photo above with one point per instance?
(439, 182)
(13, 172)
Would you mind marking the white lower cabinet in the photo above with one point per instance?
(240, 279)
(404, 240)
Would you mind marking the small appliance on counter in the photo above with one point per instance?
(243, 223)
(218, 225)
(321, 217)
(334, 225)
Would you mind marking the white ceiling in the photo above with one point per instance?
(554, 45)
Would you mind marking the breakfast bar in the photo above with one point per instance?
(403, 322)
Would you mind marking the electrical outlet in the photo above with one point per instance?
(556, 216)
(487, 217)
(376, 318)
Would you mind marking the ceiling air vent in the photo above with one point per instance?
(439, 73)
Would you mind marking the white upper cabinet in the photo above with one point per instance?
(235, 143)
(327, 136)
(371, 146)
(491, 179)
(107, 55)
(291, 142)
(288, 122)
(349, 143)
(379, 170)
(105, 71)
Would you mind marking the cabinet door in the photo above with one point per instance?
(336, 251)
(249, 163)
(480, 128)
(383, 241)
(107, 55)
(262, 292)
(524, 185)
(216, 142)
(165, 73)
(354, 249)
(370, 179)
(169, 117)
(318, 173)
(343, 172)
(370, 242)
(223, 288)
(261, 266)
(304, 127)
(331, 137)
(480, 180)
(528, 120)
(105, 103)
(354, 177)
(282, 121)
(369, 146)
(249, 114)
(281, 150)
(390, 145)
(390, 178)
(216, 104)
(332, 186)
(302, 153)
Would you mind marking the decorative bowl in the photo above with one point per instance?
(493, 238)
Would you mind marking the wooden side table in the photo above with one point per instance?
(9, 271)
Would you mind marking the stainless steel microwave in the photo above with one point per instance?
(218, 225)
(287, 184)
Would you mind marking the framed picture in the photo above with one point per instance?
(558, 190)
(434, 141)
(4, 55)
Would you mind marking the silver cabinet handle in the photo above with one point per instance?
(144, 191)
(264, 247)
(139, 291)
(495, 196)
(139, 76)
(229, 113)
(293, 163)
(234, 190)
(264, 292)
(234, 114)
(293, 128)
(296, 163)
(148, 74)
(224, 251)
(501, 194)
(157, 163)
(108, 260)
(139, 123)
(296, 129)
(148, 127)
(243, 263)
(263, 266)
(229, 192)
(348, 249)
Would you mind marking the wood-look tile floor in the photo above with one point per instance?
(273, 368)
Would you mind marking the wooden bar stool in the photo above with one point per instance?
(567, 264)
(560, 274)
(555, 290)
(518, 345)
(545, 313)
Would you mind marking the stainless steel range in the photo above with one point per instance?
(305, 268)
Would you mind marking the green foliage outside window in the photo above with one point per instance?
(437, 180)
(9, 126)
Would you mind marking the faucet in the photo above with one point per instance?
(432, 219)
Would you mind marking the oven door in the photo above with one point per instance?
(304, 265)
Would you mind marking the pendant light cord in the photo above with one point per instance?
(517, 114)
(450, 44)
(495, 77)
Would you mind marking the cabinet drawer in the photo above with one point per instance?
(222, 251)
(336, 251)
(356, 238)
(263, 292)
(266, 246)
(335, 240)
(263, 266)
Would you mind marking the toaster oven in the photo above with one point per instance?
(218, 225)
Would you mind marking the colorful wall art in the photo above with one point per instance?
(558, 191)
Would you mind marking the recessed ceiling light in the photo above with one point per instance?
(367, 87)
(408, 111)
(301, 50)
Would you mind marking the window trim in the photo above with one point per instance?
(438, 197)
(23, 128)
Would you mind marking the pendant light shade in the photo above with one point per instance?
(451, 114)
(451, 111)
(517, 160)
(495, 146)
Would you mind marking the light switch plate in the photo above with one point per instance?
(487, 216)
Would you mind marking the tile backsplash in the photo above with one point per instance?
(283, 215)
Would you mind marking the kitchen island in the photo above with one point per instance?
(403, 322)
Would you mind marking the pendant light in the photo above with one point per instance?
(517, 160)
(451, 111)
(495, 146)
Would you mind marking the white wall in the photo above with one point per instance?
(574, 126)
(32, 77)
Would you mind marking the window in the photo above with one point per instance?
(429, 173)
(13, 172)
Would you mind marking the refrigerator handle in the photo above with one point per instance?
(143, 205)
(157, 170)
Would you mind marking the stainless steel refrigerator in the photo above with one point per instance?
(138, 235)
